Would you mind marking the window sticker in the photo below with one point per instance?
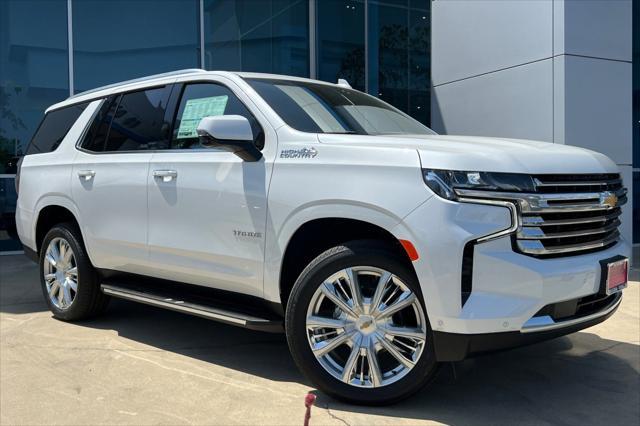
(196, 109)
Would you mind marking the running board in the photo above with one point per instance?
(201, 310)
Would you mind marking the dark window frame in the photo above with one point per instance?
(120, 95)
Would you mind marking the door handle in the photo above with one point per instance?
(86, 174)
(166, 175)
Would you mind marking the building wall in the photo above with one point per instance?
(553, 70)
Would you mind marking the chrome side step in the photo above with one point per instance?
(209, 312)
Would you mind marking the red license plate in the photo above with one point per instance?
(617, 275)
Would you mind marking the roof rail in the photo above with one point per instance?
(141, 79)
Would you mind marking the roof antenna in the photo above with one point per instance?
(344, 83)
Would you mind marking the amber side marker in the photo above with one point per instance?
(410, 249)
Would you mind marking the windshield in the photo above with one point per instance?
(321, 108)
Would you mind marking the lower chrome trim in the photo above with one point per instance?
(170, 304)
(194, 308)
(546, 323)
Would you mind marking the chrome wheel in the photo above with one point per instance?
(60, 273)
(366, 327)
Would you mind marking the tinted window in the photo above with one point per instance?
(97, 135)
(139, 123)
(54, 127)
(206, 100)
(322, 108)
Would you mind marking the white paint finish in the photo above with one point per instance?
(344, 180)
(510, 155)
(441, 246)
(112, 208)
(523, 286)
(182, 228)
(597, 106)
(226, 127)
(45, 178)
(513, 103)
(192, 219)
(597, 28)
(472, 37)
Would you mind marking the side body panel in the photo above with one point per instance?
(379, 185)
(113, 208)
(45, 180)
(207, 225)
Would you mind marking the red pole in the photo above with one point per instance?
(308, 402)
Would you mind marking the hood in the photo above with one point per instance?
(487, 154)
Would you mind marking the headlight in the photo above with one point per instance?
(445, 182)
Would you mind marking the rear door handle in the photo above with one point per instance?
(166, 175)
(86, 174)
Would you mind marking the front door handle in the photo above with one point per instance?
(86, 174)
(166, 175)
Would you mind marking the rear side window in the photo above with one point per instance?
(97, 135)
(132, 121)
(54, 127)
(139, 123)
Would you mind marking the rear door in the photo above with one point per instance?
(207, 207)
(109, 179)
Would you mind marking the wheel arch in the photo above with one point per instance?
(48, 216)
(316, 235)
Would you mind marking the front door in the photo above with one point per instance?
(207, 207)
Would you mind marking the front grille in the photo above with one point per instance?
(570, 214)
(554, 184)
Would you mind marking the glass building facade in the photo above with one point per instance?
(69, 46)
(380, 46)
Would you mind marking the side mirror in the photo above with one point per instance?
(231, 132)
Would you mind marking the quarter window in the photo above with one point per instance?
(54, 127)
(205, 100)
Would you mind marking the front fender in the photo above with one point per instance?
(277, 241)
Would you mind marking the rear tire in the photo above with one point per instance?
(361, 369)
(69, 281)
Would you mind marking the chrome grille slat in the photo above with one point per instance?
(540, 221)
(585, 183)
(566, 215)
(537, 248)
(573, 214)
(531, 233)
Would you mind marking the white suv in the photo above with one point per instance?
(281, 203)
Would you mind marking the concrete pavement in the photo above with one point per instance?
(141, 365)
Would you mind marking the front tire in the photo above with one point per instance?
(69, 282)
(357, 327)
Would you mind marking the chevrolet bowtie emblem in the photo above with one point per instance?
(608, 199)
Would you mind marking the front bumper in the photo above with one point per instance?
(503, 290)
(456, 347)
